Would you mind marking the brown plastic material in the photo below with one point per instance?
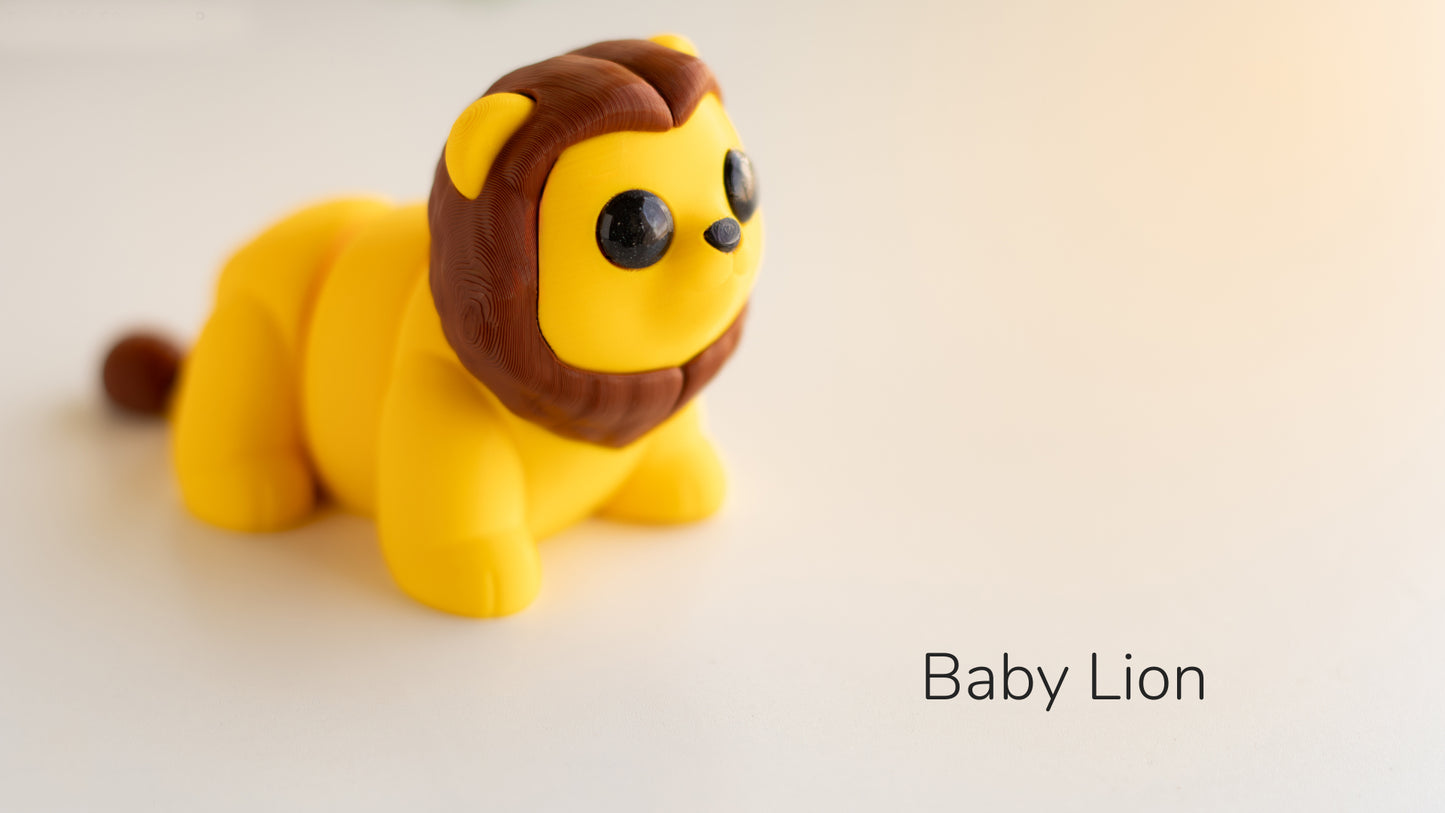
(484, 251)
(140, 372)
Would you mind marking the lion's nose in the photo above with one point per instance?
(724, 235)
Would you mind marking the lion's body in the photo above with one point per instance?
(321, 327)
(374, 306)
(523, 351)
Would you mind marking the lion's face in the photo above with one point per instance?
(648, 244)
(594, 238)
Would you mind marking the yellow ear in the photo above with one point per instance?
(676, 42)
(478, 135)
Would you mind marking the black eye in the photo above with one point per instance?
(634, 229)
(740, 184)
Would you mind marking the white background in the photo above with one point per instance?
(1108, 327)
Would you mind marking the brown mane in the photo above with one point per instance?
(484, 251)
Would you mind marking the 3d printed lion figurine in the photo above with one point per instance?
(521, 352)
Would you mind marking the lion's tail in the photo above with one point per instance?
(140, 373)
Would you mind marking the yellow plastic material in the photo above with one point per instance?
(239, 445)
(478, 135)
(598, 317)
(323, 369)
(676, 42)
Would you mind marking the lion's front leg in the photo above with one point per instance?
(451, 510)
(680, 477)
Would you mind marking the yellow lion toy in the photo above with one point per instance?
(520, 353)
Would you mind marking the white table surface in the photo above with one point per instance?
(1083, 327)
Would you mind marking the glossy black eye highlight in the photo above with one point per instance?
(740, 184)
(634, 229)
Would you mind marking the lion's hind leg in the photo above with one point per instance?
(239, 450)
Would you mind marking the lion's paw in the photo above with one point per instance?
(498, 575)
(254, 494)
(681, 487)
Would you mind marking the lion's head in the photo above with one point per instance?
(594, 237)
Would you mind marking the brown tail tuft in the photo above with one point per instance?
(140, 373)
